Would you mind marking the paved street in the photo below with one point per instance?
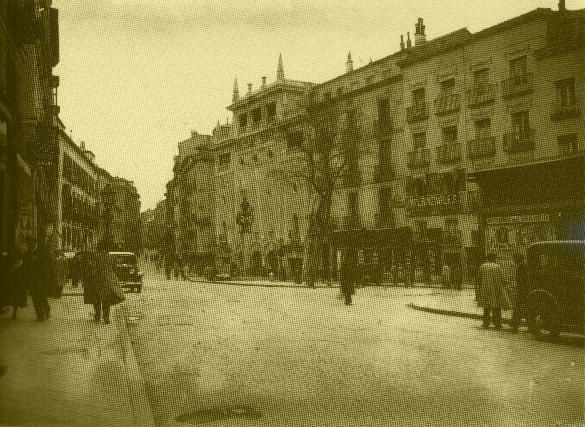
(233, 355)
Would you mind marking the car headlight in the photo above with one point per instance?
(132, 271)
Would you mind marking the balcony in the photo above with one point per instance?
(383, 172)
(384, 219)
(417, 112)
(420, 158)
(565, 111)
(449, 153)
(517, 85)
(519, 142)
(383, 128)
(481, 95)
(481, 148)
(351, 222)
(447, 104)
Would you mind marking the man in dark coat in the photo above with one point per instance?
(349, 276)
(17, 281)
(37, 272)
(99, 278)
(521, 284)
(491, 292)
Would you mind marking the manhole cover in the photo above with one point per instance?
(202, 416)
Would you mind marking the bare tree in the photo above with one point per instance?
(326, 149)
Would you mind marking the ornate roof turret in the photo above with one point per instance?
(236, 94)
(280, 70)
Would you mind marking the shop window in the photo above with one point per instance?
(385, 200)
(352, 204)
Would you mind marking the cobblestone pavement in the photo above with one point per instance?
(232, 355)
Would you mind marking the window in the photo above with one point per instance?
(352, 205)
(256, 115)
(224, 160)
(568, 143)
(271, 111)
(520, 122)
(385, 199)
(339, 91)
(483, 128)
(294, 139)
(447, 87)
(419, 140)
(383, 110)
(519, 67)
(243, 119)
(418, 96)
(481, 77)
(327, 96)
(450, 135)
(565, 90)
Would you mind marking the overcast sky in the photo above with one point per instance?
(138, 75)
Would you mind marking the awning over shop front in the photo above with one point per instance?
(558, 182)
(370, 238)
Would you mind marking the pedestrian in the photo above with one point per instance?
(37, 273)
(491, 292)
(349, 276)
(521, 284)
(17, 280)
(101, 283)
(446, 276)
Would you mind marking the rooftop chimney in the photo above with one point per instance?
(263, 82)
(249, 87)
(349, 63)
(408, 42)
(419, 36)
(402, 46)
(562, 6)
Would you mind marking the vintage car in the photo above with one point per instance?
(127, 270)
(553, 300)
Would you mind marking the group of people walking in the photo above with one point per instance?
(33, 273)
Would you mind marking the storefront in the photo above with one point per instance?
(530, 203)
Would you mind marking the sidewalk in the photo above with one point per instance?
(453, 303)
(68, 370)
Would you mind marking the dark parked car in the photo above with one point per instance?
(553, 300)
(127, 270)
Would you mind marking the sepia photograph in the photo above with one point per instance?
(292, 213)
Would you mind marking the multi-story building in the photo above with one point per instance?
(29, 49)
(125, 227)
(261, 221)
(78, 197)
(194, 202)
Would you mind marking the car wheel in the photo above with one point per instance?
(543, 324)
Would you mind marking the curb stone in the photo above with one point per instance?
(452, 313)
(141, 410)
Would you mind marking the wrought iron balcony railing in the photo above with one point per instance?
(517, 85)
(417, 112)
(519, 142)
(481, 94)
(449, 153)
(565, 110)
(481, 147)
(384, 219)
(447, 104)
(420, 158)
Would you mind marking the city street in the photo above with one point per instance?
(235, 355)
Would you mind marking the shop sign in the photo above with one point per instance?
(516, 219)
(431, 200)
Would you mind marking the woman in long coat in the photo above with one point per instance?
(100, 283)
(491, 292)
(349, 276)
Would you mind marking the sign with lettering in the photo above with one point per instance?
(430, 200)
(514, 219)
